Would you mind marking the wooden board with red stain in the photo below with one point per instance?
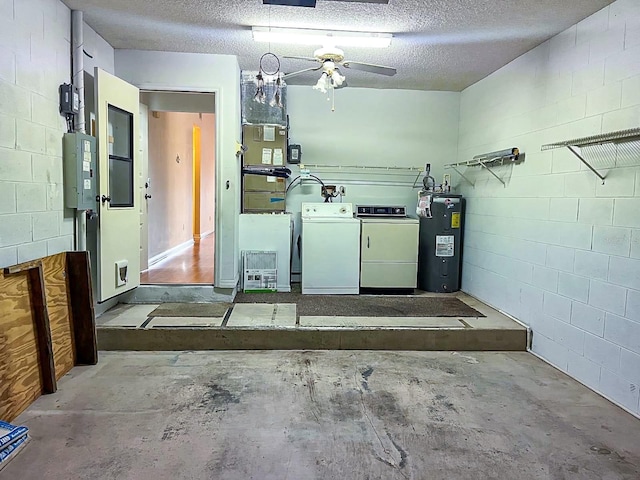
(20, 380)
(60, 319)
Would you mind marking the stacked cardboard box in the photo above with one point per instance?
(266, 146)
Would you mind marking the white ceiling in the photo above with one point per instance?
(437, 45)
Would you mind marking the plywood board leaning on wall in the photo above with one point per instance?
(59, 314)
(25, 368)
(47, 325)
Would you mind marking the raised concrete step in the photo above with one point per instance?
(308, 338)
(276, 327)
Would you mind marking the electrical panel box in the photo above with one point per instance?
(69, 99)
(80, 169)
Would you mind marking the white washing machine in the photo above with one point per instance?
(330, 249)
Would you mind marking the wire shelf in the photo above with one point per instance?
(622, 146)
(487, 161)
(378, 170)
(611, 137)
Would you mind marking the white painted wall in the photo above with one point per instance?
(98, 53)
(370, 128)
(170, 208)
(213, 73)
(34, 60)
(403, 128)
(555, 248)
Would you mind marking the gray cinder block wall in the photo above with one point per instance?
(34, 60)
(556, 248)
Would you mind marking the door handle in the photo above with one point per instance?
(368, 241)
(105, 199)
(147, 196)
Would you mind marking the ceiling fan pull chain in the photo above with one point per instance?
(333, 103)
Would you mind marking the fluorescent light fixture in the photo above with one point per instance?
(291, 3)
(301, 36)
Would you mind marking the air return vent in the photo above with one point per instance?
(260, 271)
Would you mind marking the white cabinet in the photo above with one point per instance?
(389, 253)
(269, 232)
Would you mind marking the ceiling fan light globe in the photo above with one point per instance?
(322, 83)
(320, 87)
(337, 79)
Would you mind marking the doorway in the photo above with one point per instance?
(177, 216)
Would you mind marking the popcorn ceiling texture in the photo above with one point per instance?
(438, 44)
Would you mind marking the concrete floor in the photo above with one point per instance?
(283, 315)
(325, 415)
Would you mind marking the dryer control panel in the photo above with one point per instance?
(382, 211)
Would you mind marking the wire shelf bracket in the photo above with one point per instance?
(611, 138)
(455, 169)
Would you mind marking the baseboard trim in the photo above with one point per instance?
(167, 253)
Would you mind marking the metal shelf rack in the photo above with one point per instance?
(390, 175)
(611, 138)
(378, 170)
(487, 161)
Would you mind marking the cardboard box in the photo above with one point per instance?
(259, 183)
(266, 145)
(263, 202)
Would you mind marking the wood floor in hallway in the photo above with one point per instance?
(192, 265)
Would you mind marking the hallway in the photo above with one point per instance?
(193, 265)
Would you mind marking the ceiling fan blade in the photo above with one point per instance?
(287, 76)
(311, 59)
(369, 67)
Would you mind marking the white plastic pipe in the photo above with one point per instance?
(77, 64)
(77, 40)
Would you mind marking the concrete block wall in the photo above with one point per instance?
(34, 61)
(554, 247)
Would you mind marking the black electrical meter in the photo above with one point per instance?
(294, 155)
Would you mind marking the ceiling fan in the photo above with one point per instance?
(331, 59)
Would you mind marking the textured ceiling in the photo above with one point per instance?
(437, 45)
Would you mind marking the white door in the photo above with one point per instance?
(119, 171)
(145, 187)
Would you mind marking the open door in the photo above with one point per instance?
(119, 171)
